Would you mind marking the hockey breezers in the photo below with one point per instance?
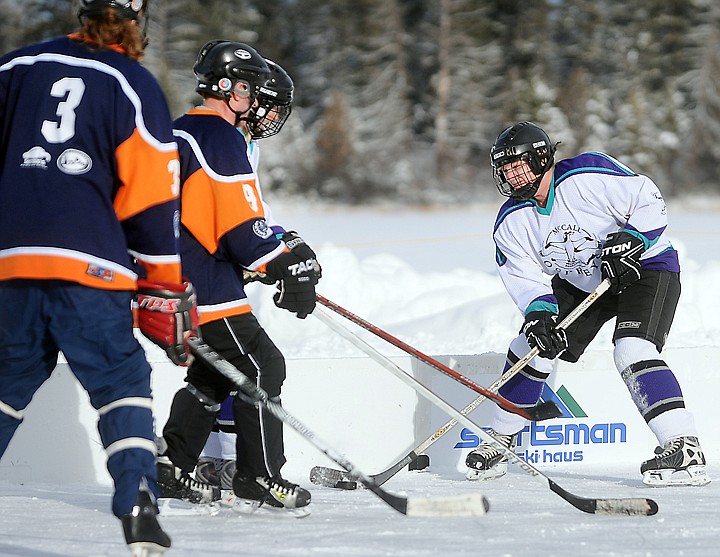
(336, 478)
(631, 506)
(543, 411)
(464, 505)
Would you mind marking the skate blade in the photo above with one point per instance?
(146, 549)
(251, 507)
(691, 476)
(481, 475)
(178, 507)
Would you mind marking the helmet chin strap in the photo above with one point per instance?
(239, 115)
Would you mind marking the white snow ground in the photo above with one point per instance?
(427, 277)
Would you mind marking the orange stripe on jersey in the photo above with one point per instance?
(148, 176)
(46, 266)
(162, 272)
(207, 314)
(231, 204)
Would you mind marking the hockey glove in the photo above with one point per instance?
(167, 315)
(303, 251)
(297, 279)
(621, 260)
(541, 332)
(297, 246)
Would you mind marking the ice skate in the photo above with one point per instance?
(176, 484)
(275, 492)
(216, 471)
(488, 463)
(143, 533)
(679, 462)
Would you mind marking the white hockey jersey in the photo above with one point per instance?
(591, 196)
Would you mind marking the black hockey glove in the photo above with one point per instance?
(303, 251)
(621, 260)
(541, 332)
(297, 279)
(297, 246)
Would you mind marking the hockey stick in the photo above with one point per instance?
(463, 505)
(631, 506)
(336, 478)
(542, 411)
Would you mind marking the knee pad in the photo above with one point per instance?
(630, 350)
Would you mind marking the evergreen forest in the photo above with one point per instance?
(400, 100)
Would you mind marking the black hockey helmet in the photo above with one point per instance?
(274, 103)
(522, 141)
(126, 9)
(221, 64)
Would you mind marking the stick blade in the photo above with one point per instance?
(473, 504)
(544, 411)
(328, 477)
(627, 507)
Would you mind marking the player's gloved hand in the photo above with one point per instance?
(621, 260)
(298, 246)
(297, 279)
(167, 315)
(540, 329)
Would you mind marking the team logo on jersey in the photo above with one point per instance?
(37, 157)
(74, 162)
(261, 228)
(570, 249)
(100, 272)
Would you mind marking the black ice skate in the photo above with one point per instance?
(176, 484)
(276, 492)
(679, 462)
(486, 462)
(143, 533)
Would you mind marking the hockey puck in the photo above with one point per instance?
(349, 485)
(420, 463)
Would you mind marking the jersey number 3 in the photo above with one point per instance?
(71, 89)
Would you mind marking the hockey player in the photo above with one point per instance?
(224, 232)
(565, 227)
(88, 181)
(274, 105)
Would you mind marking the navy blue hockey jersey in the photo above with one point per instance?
(88, 168)
(223, 219)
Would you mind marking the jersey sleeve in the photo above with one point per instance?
(528, 286)
(147, 201)
(222, 205)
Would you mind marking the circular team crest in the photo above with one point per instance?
(261, 229)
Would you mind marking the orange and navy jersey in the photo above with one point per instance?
(88, 168)
(223, 221)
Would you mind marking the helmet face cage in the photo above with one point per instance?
(269, 119)
(274, 103)
(222, 64)
(522, 142)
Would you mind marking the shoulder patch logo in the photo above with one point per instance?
(261, 228)
(74, 162)
(37, 157)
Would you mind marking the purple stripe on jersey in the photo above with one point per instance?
(665, 261)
